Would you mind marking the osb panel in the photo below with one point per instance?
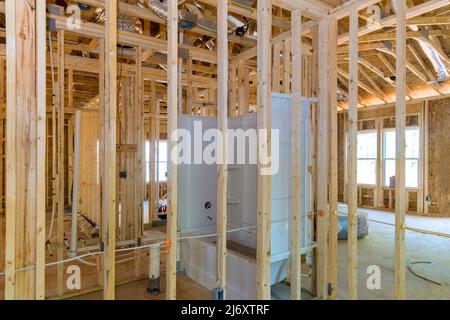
(438, 148)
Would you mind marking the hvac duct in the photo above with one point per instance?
(430, 52)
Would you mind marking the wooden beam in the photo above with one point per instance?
(296, 157)
(323, 161)
(222, 167)
(93, 30)
(110, 142)
(148, 15)
(25, 144)
(352, 264)
(60, 190)
(313, 9)
(263, 255)
(247, 12)
(252, 52)
(346, 8)
(376, 70)
(391, 20)
(374, 85)
(333, 174)
(172, 125)
(400, 190)
(139, 175)
(409, 66)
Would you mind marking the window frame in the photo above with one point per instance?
(419, 160)
(366, 185)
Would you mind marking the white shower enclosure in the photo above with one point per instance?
(197, 206)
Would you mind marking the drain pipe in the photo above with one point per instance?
(76, 165)
(154, 272)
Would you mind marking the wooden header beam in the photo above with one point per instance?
(313, 9)
(346, 8)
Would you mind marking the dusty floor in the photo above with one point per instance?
(186, 290)
(378, 249)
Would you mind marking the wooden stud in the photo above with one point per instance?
(323, 161)
(139, 175)
(264, 123)
(352, 187)
(425, 156)
(296, 157)
(25, 143)
(109, 162)
(172, 125)
(333, 174)
(189, 99)
(222, 168)
(60, 164)
(287, 66)
(232, 89)
(276, 67)
(400, 190)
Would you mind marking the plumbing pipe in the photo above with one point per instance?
(154, 276)
(76, 165)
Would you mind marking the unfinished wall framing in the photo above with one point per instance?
(88, 104)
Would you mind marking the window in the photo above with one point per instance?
(412, 157)
(162, 161)
(367, 157)
(161, 168)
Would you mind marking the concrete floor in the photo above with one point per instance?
(378, 249)
(186, 290)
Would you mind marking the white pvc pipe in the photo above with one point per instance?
(154, 262)
(76, 165)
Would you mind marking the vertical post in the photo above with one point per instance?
(25, 144)
(222, 167)
(11, 177)
(61, 151)
(264, 124)
(172, 125)
(400, 191)
(41, 97)
(425, 156)
(76, 166)
(140, 155)
(352, 264)
(109, 163)
(333, 178)
(287, 66)
(232, 90)
(189, 87)
(323, 162)
(296, 157)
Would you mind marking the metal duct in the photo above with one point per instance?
(124, 22)
(430, 52)
(435, 59)
(159, 7)
(130, 24)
